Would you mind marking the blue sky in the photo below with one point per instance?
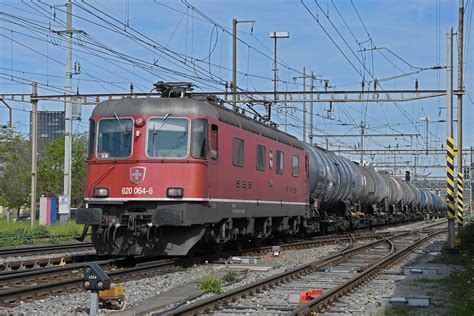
(176, 37)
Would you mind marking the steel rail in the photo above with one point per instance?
(32, 250)
(211, 303)
(46, 287)
(10, 296)
(216, 302)
(365, 276)
(31, 263)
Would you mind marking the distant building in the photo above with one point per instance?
(50, 124)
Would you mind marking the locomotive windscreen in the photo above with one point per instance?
(115, 138)
(167, 138)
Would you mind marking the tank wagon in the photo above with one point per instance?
(166, 175)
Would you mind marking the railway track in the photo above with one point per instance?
(42, 249)
(25, 258)
(21, 285)
(44, 256)
(335, 275)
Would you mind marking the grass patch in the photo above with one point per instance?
(460, 283)
(230, 277)
(379, 312)
(400, 310)
(460, 286)
(209, 283)
(455, 258)
(20, 233)
(424, 281)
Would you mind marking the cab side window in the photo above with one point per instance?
(261, 157)
(295, 166)
(199, 139)
(280, 162)
(214, 142)
(238, 152)
(90, 148)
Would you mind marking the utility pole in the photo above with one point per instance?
(449, 137)
(304, 104)
(471, 183)
(71, 112)
(362, 130)
(275, 36)
(234, 60)
(414, 167)
(34, 150)
(394, 165)
(286, 113)
(65, 202)
(426, 119)
(10, 114)
(311, 112)
(459, 186)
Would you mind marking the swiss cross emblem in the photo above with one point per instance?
(137, 174)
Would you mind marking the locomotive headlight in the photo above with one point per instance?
(174, 192)
(139, 122)
(101, 192)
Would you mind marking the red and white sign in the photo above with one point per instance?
(137, 174)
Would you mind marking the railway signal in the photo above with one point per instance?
(95, 280)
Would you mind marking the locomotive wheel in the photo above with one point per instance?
(192, 252)
(257, 242)
(218, 247)
(239, 244)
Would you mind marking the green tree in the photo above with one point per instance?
(15, 156)
(51, 168)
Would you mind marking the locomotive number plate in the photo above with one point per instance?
(137, 190)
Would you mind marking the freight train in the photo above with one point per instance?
(167, 175)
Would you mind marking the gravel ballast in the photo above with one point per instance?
(138, 290)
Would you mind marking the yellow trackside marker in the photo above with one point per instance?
(450, 184)
(460, 192)
(457, 241)
(114, 293)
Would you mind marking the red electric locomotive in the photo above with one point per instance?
(165, 174)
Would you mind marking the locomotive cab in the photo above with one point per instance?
(146, 170)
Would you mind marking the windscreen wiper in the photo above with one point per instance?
(156, 131)
(120, 122)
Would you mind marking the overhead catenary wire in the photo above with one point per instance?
(403, 112)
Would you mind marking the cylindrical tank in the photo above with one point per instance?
(415, 195)
(429, 199)
(369, 189)
(383, 191)
(424, 200)
(438, 203)
(394, 194)
(351, 179)
(324, 180)
(332, 179)
(407, 193)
